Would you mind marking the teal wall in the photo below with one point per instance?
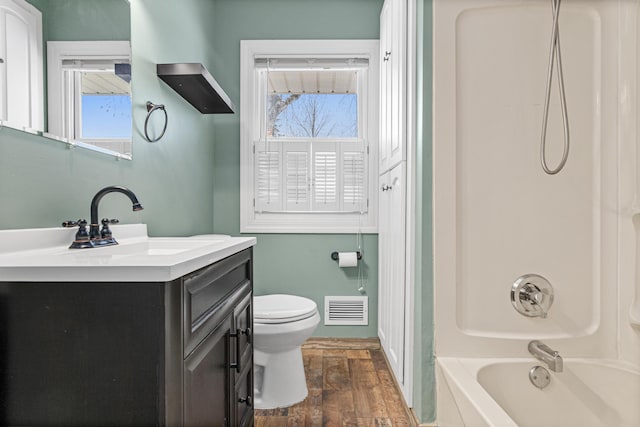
(298, 264)
(424, 359)
(76, 20)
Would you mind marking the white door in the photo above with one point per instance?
(21, 94)
(384, 266)
(393, 69)
(385, 87)
(391, 295)
(398, 63)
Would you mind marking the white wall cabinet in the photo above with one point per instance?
(393, 84)
(391, 264)
(395, 277)
(21, 94)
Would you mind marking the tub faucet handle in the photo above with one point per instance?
(539, 301)
(532, 295)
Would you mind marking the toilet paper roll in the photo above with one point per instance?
(347, 259)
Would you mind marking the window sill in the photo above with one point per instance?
(307, 224)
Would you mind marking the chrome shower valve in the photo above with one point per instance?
(532, 295)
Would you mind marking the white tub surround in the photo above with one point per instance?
(498, 216)
(43, 255)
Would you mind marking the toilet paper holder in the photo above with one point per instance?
(334, 255)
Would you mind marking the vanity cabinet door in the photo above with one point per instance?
(242, 403)
(243, 331)
(207, 380)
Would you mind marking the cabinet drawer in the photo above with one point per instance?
(211, 293)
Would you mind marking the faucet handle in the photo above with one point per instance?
(532, 295)
(105, 233)
(70, 223)
(81, 234)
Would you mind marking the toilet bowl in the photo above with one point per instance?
(281, 324)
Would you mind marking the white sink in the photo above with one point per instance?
(153, 246)
(44, 255)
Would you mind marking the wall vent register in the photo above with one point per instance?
(344, 310)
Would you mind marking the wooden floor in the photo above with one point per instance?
(346, 388)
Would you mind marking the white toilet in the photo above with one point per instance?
(281, 324)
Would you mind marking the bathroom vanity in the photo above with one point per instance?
(149, 332)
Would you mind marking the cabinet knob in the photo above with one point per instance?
(386, 187)
(247, 400)
(247, 332)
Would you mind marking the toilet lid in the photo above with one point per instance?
(282, 308)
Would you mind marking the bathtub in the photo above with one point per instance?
(498, 393)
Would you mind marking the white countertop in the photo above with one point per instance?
(43, 254)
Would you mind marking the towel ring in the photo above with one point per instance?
(151, 107)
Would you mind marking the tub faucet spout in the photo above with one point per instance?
(545, 354)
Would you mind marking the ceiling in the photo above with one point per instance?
(313, 81)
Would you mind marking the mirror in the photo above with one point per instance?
(78, 92)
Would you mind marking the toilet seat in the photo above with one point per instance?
(282, 308)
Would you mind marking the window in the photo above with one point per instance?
(309, 136)
(90, 93)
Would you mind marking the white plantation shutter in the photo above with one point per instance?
(310, 176)
(297, 182)
(267, 178)
(325, 181)
(353, 181)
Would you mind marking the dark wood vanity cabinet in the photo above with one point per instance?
(176, 353)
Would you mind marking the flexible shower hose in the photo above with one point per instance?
(554, 53)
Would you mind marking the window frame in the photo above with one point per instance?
(252, 118)
(63, 117)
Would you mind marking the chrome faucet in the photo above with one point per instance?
(97, 237)
(545, 354)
